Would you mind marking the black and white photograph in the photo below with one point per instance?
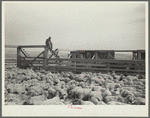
(74, 58)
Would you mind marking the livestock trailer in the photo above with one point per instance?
(105, 54)
(93, 54)
(139, 55)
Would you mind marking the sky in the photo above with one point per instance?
(76, 25)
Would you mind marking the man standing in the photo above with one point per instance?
(49, 44)
(50, 48)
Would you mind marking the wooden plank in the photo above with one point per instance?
(24, 53)
(98, 60)
(79, 64)
(115, 65)
(37, 57)
(103, 65)
(31, 57)
(68, 67)
(93, 65)
(102, 71)
(54, 62)
(130, 66)
(106, 69)
(99, 65)
(127, 50)
(128, 70)
(37, 66)
(34, 61)
(32, 46)
(29, 60)
(11, 62)
(10, 59)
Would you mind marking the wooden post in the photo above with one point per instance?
(108, 67)
(18, 57)
(139, 55)
(132, 55)
(75, 67)
(45, 58)
(114, 55)
(108, 55)
(89, 63)
(74, 57)
(59, 66)
(96, 55)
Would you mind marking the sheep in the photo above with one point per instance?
(115, 92)
(25, 78)
(66, 79)
(36, 100)
(129, 99)
(95, 97)
(35, 91)
(16, 88)
(98, 88)
(128, 88)
(10, 88)
(79, 93)
(139, 94)
(106, 93)
(138, 83)
(115, 103)
(88, 103)
(85, 89)
(46, 87)
(138, 101)
(112, 86)
(110, 98)
(19, 90)
(125, 93)
(78, 102)
(51, 93)
(101, 103)
(82, 84)
(16, 98)
(99, 81)
(54, 101)
(62, 84)
(81, 102)
(130, 82)
(62, 93)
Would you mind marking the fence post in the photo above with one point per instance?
(59, 66)
(96, 55)
(45, 58)
(108, 64)
(89, 63)
(139, 55)
(18, 56)
(74, 57)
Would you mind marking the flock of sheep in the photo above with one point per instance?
(26, 87)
